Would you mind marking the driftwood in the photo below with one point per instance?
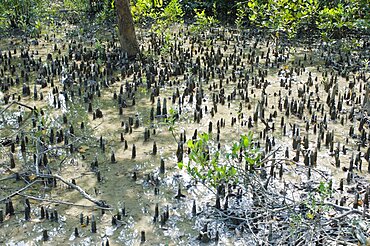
(99, 203)
(62, 202)
(18, 191)
(15, 103)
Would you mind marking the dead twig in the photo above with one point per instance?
(99, 203)
(62, 202)
(17, 103)
(349, 211)
(18, 191)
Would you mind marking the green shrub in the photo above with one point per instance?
(20, 13)
(202, 21)
(338, 18)
(331, 18)
(173, 12)
(107, 12)
(142, 10)
(215, 167)
(81, 5)
(282, 15)
(156, 11)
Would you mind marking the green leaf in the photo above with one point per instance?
(310, 215)
(322, 187)
(180, 165)
(253, 17)
(245, 141)
(232, 171)
(190, 144)
(205, 137)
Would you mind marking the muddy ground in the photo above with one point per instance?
(242, 74)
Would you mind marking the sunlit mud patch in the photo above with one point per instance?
(128, 234)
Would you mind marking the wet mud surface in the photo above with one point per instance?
(82, 111)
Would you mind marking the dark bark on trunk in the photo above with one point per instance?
(126, 28)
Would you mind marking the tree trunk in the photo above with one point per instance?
(126, 28)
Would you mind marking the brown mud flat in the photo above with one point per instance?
(304, 106)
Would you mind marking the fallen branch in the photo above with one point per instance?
(8, 177)
(349, 211)
(18, 191)
(18, 103)
(99, 203)
(62, 202)
(321, 173)
(267, 158)
(342, 216)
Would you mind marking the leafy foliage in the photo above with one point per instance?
(283, 15)
(316, 200)
(82, 5)
(20, 13)
(223, 10)
(143, 11)
(215, 167)
(173, 12)
(107, 12)
(202, 21)
(330, 18)
(170, 122)
(343, 17)
(149, 11)
(292, 17)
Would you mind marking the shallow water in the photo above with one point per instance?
(119, 189)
